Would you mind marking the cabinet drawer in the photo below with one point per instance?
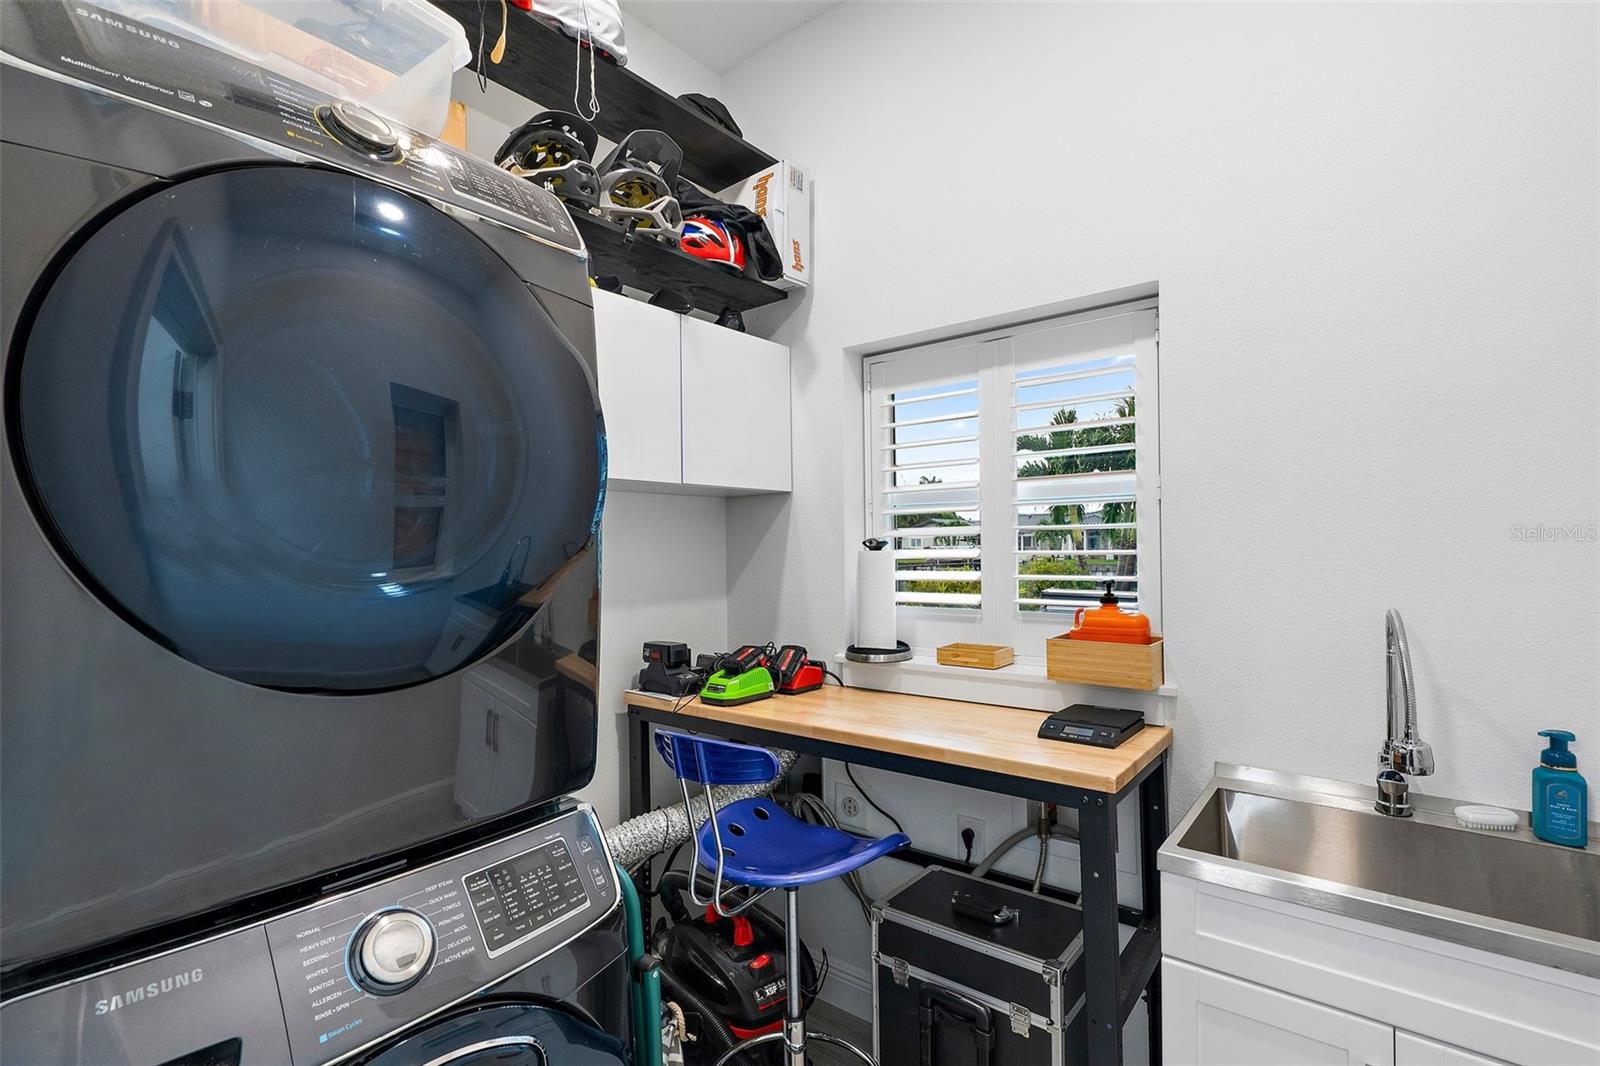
(1413, 1050)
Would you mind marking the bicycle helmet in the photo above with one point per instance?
(710, 240)
(554, 149)
(636, 185)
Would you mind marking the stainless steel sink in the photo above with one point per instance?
(1319, 843)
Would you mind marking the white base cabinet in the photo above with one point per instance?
(1248, 979)
(690, 406)
(1210, 1017)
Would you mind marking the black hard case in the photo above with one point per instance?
(951, 990)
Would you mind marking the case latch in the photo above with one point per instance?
(1021, 1019)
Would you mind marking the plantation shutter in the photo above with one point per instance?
(1077, 446)
(924, 431)
(1046, 436)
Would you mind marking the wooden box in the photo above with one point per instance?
(978, 656)
(1098, 662)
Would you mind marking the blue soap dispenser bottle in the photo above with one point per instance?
(1560, 794)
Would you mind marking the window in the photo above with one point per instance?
(1015, 474)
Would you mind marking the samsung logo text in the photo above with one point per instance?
(132, 996)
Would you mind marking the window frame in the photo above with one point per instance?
(999, 619)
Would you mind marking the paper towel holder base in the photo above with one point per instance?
(897, 654)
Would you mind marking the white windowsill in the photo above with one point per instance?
(1027, 674)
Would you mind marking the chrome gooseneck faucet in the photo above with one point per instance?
(1404, 751)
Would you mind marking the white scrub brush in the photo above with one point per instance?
(1476, 816)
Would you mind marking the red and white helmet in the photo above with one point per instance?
(708, 239)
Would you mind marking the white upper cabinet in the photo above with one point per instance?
(690, 406)
(640, 384)
(735, 410)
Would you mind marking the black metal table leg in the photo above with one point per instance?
(1153, 829)
(638, 764)
(639, 800)
(1097, 850)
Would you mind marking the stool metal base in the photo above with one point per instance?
(797, 1056)
(829, 1038)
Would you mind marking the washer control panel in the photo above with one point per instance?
(338, 975)
(357, 967)
(513, 900)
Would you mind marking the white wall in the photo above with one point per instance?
(1373, 227)
(664, 558)
(663, 577)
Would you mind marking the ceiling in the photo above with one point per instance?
(719, 35)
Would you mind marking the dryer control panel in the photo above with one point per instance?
(359, 966)
(149, 63)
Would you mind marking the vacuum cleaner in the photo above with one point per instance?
(727, 974)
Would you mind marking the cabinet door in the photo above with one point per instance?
(512, 739)
(735, 410)
(1209, 1018)
(1413, 1050)
(474, 755)
(636, 348)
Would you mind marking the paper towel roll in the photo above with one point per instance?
(875, 599)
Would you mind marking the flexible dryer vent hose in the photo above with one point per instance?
(651, 833)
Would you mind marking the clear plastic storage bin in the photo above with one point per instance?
(394, 56)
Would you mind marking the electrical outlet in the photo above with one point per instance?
(980, 846)
(847, 807)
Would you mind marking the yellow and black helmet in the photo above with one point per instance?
(554, 149)
(636, 185)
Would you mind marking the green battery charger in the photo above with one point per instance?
(723, 689)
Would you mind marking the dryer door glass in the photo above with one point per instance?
(306, 431)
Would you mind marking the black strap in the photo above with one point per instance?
(936, 1006)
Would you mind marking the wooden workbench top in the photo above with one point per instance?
(980, 735)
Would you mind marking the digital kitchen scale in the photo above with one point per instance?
(1104, 727)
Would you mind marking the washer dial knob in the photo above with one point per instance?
(391, 951)
(360, 129)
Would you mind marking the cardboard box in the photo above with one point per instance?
(781, 195)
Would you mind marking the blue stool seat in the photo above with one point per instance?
(765, 846)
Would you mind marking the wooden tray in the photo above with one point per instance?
(1098, 662)
(977, 656)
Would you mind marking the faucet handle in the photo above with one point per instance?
(1413, 757)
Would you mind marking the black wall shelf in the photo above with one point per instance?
(651, 266)
(539, 65)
